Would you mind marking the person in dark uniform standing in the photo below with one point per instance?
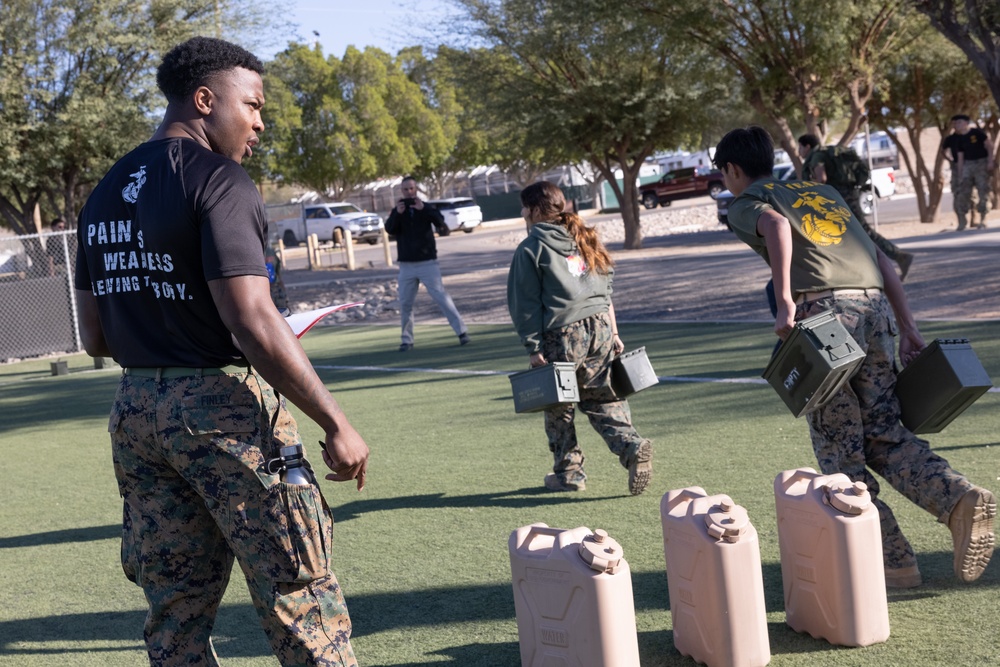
(171, 283)
(950, 151)
(413, 223)
(975, 164)
(816, 167)
(821, 259)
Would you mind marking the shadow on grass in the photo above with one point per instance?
(983, 445)
(91, 534)
(536, 497)
(239, 634)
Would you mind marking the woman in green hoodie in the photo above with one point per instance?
(559, 297)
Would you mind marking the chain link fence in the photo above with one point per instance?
(36, 296)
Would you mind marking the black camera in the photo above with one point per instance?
(409, 201)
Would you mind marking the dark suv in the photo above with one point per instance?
(681, 183)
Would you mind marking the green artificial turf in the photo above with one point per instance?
(422, 551)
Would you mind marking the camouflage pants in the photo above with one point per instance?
(588, 344)
(956, 182)
(853, 198)
(189, 456)
(859, 430)
(974, 175)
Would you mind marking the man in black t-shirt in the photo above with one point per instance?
(171, 283)
(974, 166)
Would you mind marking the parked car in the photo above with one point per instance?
(324, 220)
(681, 183)
(460, 213)
(882, 183)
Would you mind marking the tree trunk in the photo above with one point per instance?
(630, 214)
(927, 185)
(629, 200)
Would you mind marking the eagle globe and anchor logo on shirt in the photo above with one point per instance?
(825, 221)
(130, 192)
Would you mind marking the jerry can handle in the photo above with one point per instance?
(791, 477)
(525, 537)
(674, 498)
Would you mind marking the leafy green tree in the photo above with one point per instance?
(925, 83)
(802, 61)
(77, 91)
(462, 143)
(340, 123)
(974, 27)
(586, 79)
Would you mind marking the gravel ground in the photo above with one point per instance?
(690, 269)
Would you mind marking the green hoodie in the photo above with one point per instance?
(549, 286)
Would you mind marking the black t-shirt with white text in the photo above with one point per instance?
(168, 218)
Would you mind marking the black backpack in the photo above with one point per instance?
(845, 168)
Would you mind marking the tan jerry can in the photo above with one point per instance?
(573, 598)
(831, 558)
(715, 580)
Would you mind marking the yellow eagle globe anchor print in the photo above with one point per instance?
(826, 222)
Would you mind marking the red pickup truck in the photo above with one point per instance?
(681, 183)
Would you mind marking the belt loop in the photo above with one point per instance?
(199, 372)
(159, 373)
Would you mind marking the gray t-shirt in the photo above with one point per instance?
(830, 249)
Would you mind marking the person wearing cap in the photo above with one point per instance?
(822, 260)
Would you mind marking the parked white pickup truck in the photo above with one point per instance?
(323, 219)
(883, 184)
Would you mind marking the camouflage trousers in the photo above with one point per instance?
(859, 430)
(853, 198)
(956, 182)
(974, 175)
(189, 456)
(589, 345)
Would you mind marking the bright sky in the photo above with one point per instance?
(387, 24)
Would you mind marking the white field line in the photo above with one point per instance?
(462, 371)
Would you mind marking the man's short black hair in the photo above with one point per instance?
(409, 178)
(961, 116)
(810, 140)
(749, 148)
(192, 63)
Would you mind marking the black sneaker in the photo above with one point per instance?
(463, 339)
(406, 347)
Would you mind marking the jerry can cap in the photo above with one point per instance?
(601, 552)
(727, 521)
(851, 499)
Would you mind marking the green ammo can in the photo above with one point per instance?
(937, 386)
(544, 387)
(813, 363)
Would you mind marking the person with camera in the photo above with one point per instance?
(413, 222)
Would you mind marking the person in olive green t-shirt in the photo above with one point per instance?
(822, 260)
